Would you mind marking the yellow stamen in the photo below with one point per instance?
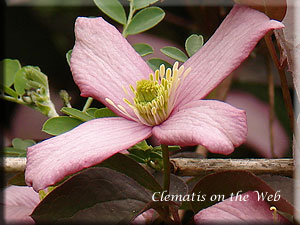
(154, 99)
(275, 214)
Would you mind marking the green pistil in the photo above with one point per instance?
(146, 91)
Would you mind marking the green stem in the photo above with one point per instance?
(87, 104)
(12, 99)
(271, 106)
(166, 162)
(131, 12)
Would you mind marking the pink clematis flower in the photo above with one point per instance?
(165, 104)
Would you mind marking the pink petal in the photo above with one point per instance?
(225, 51)
(214, 124)
(251, 211)
(86, 145)
(103, 61)
(258, 125)
(146, 217)
(19, 202)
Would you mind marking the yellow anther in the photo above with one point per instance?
(274, 213)
(175, 66)
(162, 70)
(125, 90)
(187, 72)
(157, 75)
(110, 101)
(127, 101)
(151, 76)
(180, 71)
(168, 74)
(122, 108)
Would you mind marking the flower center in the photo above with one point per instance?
(153, 100)
(146, 91)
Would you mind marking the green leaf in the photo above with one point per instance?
(94, 196)
(170, 147)
(20, 81)
(77, 114)
(8, 90)
(139, 4)
(29, 77)
(33, 73)
(59, 125)
(131, 168)
(91, 111)
(174, 53)
(112, 8)
(104, 112)
(138, 159)
(155, 63)
(19, 148)
(22, 144)
(143, 155)
(9, 68)
(68, 56)
(193, 43)
(143, 49)
(145, 19)
(14, 152)
(141, 146)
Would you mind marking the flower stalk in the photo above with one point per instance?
(166, 162)
(87, 104)
(283, 80)
(130, 15)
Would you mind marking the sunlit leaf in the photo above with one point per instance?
(193, 43)
(91, 111)
(104, 112)
(77, 114)
(14, 152)
(20, 81)
(29, 77)
(141, 146)
(112, 8)
(68, 56)
(174, 53)
(8, 91)
(19, 147)
(59, 125)
(143, 49)
(139, 4)
(155, 63)
(22, 144)
(9, 68)
(145, 19)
